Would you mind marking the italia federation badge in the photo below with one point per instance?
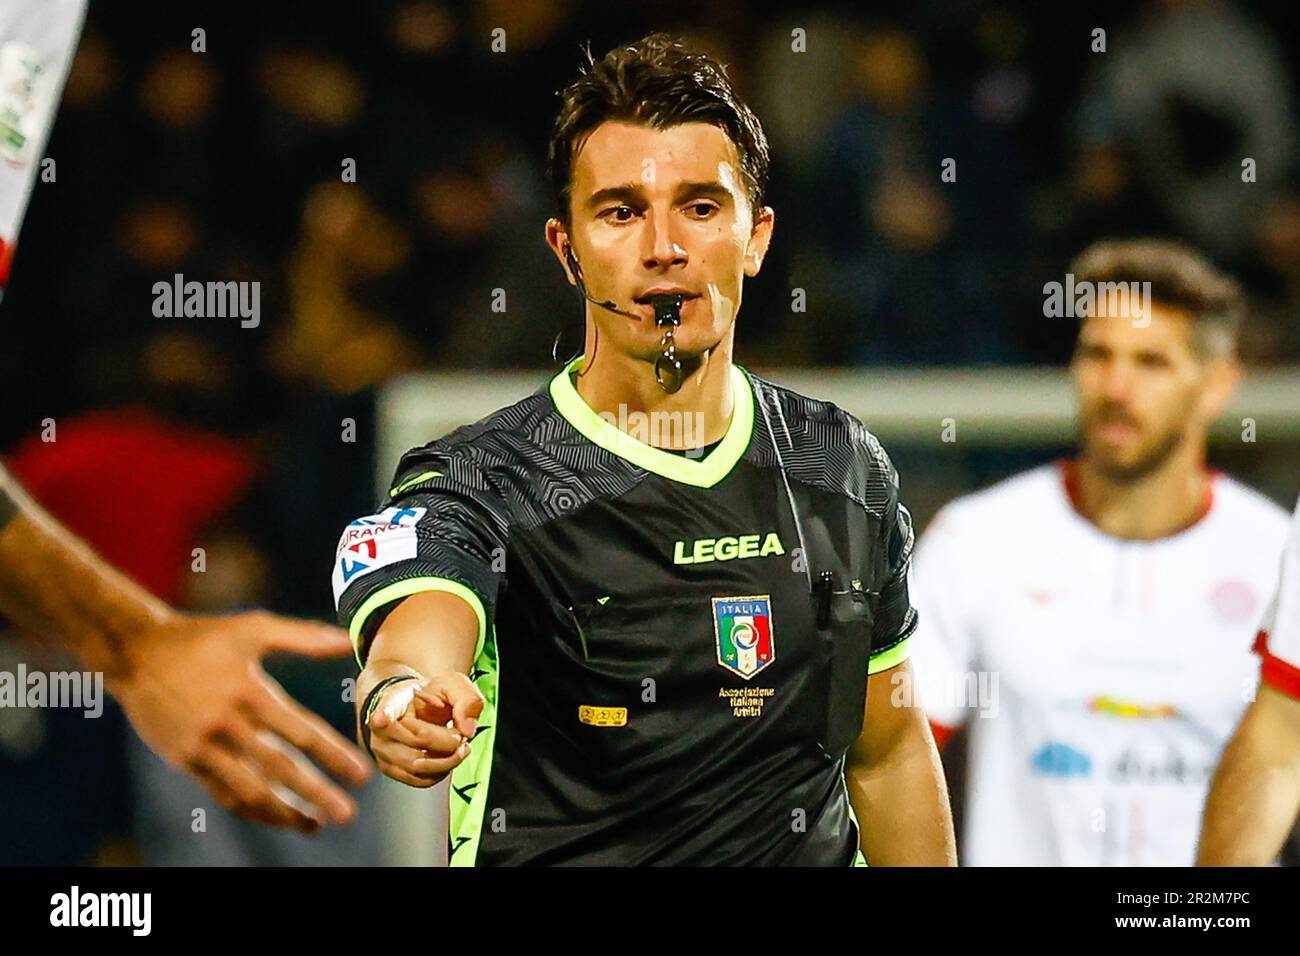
(743, 628)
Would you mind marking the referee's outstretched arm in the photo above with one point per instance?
(415, 683)
(193, 687)
(896, 782)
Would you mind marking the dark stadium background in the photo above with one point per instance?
(225, 165)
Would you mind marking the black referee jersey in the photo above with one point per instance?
(673, 651)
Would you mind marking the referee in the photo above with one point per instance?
(652, 613)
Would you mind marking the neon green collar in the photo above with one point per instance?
(702, 473)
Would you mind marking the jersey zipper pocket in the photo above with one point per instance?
(844, 622)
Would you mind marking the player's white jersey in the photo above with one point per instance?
(1279, 635)
(1100, 678)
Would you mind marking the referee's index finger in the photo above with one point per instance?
(465, 713)
(455, 692)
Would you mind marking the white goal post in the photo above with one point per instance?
(1006, 407)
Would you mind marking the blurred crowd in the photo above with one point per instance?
(228, 165)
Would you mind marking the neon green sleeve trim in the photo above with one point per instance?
(892, 657)
(398, 488)
(401, 589)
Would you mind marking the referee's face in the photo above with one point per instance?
(662, 210)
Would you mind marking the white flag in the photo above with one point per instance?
(37, 41)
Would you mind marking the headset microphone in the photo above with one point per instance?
(582, 286)
(668, 315)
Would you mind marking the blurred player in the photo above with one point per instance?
(1255, 798)
(192, 687)
(1098, 613)
(659, 647)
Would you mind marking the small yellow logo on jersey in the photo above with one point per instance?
(602, 716)
(1130, 710)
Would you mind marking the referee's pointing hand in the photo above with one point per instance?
(420, 732)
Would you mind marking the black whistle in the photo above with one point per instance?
(823, 587)
(668, 308)
(668, 315)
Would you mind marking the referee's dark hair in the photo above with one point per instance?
(1180, 278)
(659, 82)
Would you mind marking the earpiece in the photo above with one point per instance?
(571, 260)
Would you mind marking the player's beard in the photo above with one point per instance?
(1151, 457)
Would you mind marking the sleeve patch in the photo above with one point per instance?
(374, 542)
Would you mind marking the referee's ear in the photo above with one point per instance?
(759, 239)
(557, 237)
